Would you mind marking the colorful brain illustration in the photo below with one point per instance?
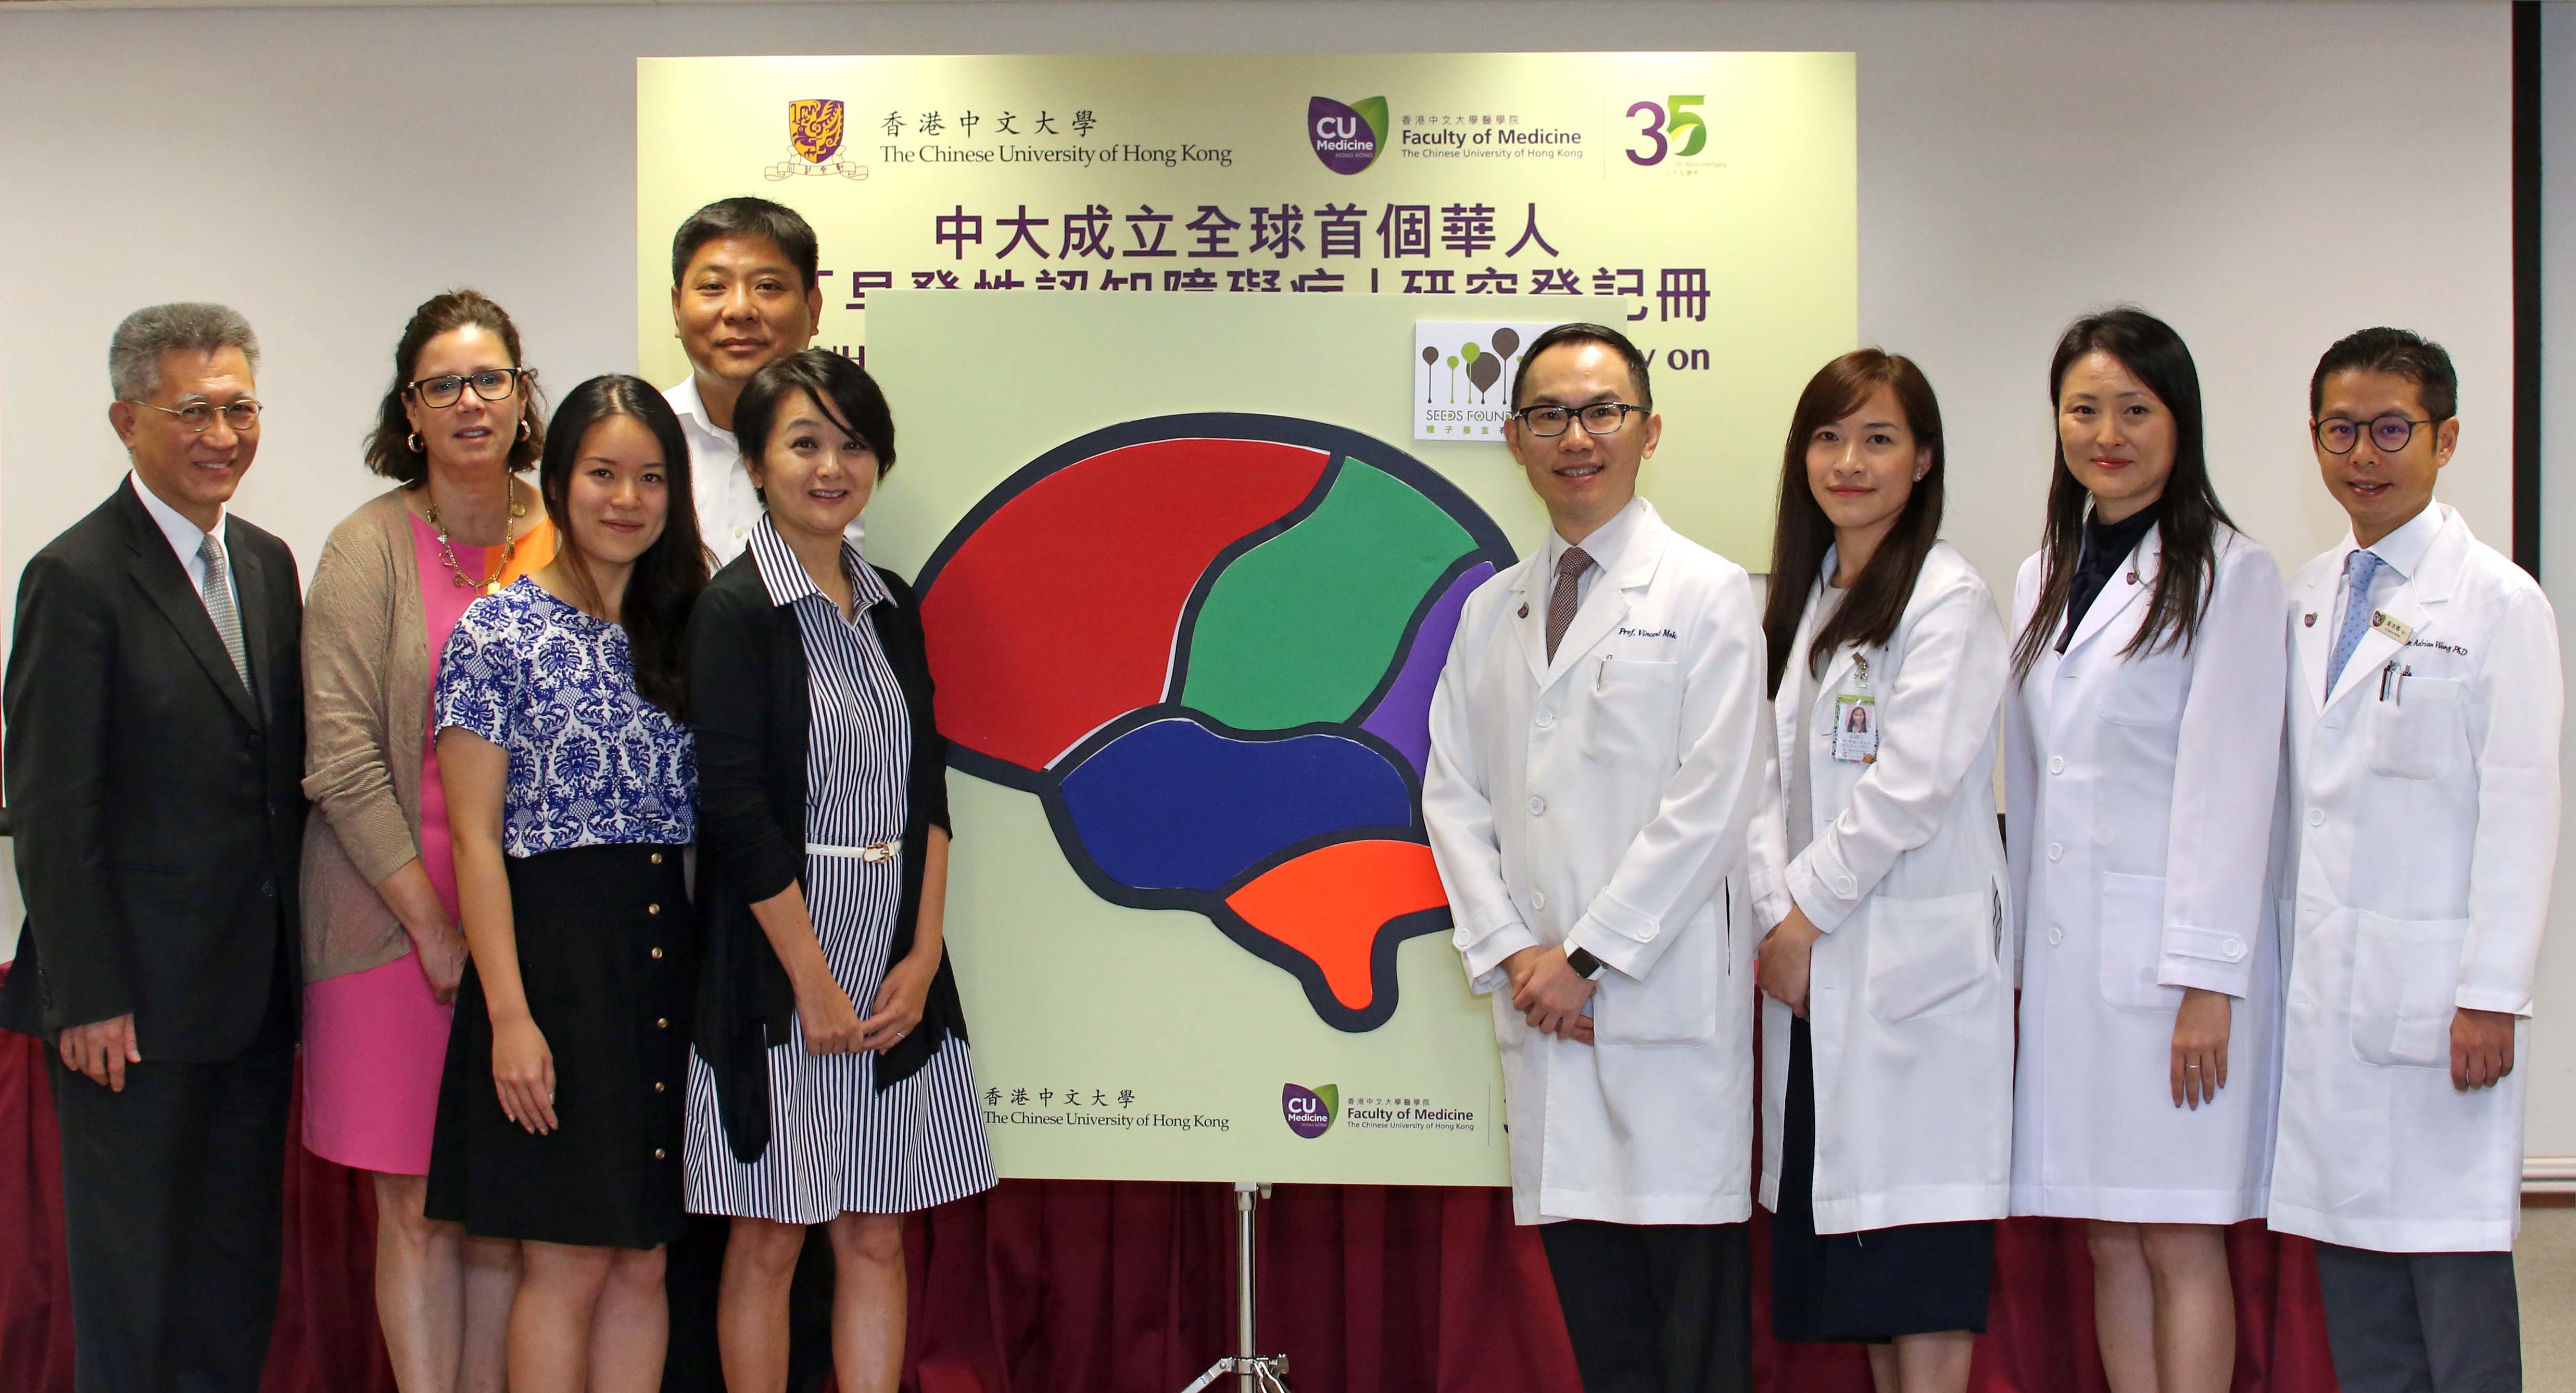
(1208, 643)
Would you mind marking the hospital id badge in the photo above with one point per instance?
(1856, 729)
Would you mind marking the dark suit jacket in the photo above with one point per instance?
(158, 807)
(751, 711)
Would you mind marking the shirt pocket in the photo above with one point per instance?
(2405, 988)
(2131, 943)
(1930, 957)
(2422, 730)
(1634, 712)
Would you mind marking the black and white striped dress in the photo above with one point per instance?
(837, 1144)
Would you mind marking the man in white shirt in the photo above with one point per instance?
(1597, 750)
(2424, 705)
(745, 292)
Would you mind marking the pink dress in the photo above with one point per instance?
(375, 1042)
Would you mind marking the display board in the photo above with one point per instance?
(1188, 547)
(1706, 203)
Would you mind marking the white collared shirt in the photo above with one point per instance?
(1603, 546)
(2401, 555)
(728, 506)
(185, 538)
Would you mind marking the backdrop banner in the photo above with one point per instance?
(1187, 595)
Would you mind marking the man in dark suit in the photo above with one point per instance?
(155, 727)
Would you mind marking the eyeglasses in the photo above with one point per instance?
(1600, 418)
(495, 384)
(198, 416)
(2337, 436)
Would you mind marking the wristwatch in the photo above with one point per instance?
(1584, 964)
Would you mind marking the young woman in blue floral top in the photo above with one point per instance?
(571, 783)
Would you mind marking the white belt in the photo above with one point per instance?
(879, 851)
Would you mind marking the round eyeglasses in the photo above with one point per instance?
(1600, 418)
(492, 384)
(2388, 434)
(199, 416)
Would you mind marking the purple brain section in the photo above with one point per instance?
(1402, 716)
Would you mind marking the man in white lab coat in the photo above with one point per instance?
(1595, 757)
(2424, 702)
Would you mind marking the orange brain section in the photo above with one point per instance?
(1331, 903)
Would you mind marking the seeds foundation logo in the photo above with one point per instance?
(814, 129)
(1347, 138)
(1310, 1111)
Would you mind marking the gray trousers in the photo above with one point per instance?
(2421, 1322)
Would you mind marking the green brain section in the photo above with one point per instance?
(1302, 627)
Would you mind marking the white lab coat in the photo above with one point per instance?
(1909, 996)
(2139, 793)
(1601, 801)
(2423, 831)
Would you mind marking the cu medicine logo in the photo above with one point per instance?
(1310, 1111)
(1347, 138)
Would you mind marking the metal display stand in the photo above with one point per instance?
(1254, 1371)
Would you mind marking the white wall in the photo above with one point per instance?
(2553, 1083)
(2019, 162)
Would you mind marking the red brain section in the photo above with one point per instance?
(1330, 903)
(1057, 615)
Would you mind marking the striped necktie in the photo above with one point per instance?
(1560, 606)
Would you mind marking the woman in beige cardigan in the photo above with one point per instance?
(382, 950)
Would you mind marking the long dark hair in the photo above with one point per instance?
(2188, 525)
(1870, 613)
(672, 571)
(389, 448)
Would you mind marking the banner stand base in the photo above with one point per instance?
(1254, 1372)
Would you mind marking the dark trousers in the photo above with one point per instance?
(173, 1194)
(1655, 1308)
(2421, 1322)
(693, 1277)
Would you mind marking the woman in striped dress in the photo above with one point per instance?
(830, 1083)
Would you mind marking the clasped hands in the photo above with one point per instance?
(1548, 994)
(832, 1024)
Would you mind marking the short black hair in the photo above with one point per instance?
(840, 386)
(1586, 333)
(2398, 352)
(748, 217)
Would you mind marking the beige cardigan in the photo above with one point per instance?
(366, 721)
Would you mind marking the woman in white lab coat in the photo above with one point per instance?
(2143, 749)
(1887, 1038)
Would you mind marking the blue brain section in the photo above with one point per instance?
(1174, 805)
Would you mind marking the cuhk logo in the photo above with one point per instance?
(1310, 1110)
(1347, 138)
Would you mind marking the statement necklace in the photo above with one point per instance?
(491, 584)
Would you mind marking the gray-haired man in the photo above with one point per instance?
(155, 715)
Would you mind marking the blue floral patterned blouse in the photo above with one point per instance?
(592, 763)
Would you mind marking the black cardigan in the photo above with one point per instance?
(748, 706)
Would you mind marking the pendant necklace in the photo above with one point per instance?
(491, 584)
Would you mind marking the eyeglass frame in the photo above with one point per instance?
(1574, 414)
(418, 391)
(212, 411)
(2316, 432)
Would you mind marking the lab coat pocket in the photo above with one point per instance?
(2405, 986)
(1635, 709)
(1676, 1004)
(2146, 691)
(2131, 943)
(2421, 732)
(1929, 957)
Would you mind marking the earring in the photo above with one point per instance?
(414, 442)
(524, 431)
